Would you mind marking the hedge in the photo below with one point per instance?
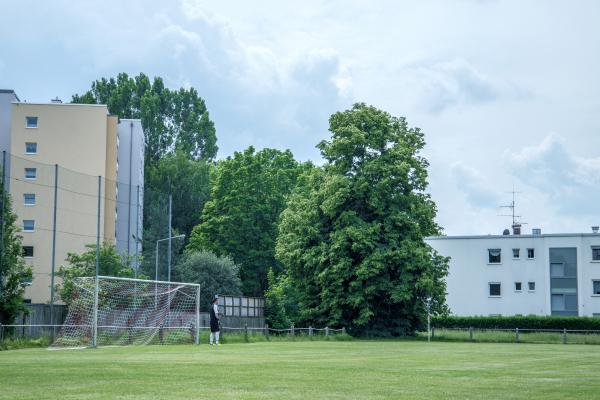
(521, 322)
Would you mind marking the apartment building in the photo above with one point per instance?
(514, 274)
(62, 168)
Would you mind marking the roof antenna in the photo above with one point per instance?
(516, 219)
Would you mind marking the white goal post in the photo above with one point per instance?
(107, 310)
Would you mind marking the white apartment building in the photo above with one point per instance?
(533, 274)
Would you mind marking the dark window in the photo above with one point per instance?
(596, 253)
(30, 173)
(494, 289)
(27, 251)
(31, 122)
(30, 147)
(530, 253)
(516, 253)
(494, 256)
(518, 286)
(596, 287)
(531, 285)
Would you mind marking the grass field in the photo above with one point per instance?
(306, 370)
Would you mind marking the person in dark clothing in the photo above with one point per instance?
(214, 321)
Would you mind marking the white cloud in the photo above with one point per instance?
(570, 183)
(479, 190)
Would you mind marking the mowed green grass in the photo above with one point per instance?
(306, 370)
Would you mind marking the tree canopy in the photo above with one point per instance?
(14, 272)
(351, 237)
(173, 120)
(248, 194)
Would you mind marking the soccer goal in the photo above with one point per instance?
(107, 311)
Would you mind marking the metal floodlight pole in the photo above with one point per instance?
(95, 321)
(98, 227)
(137, 232)
(2, 217)
(53, 258)
(170, 238)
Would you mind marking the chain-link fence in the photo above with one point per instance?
(61, 211)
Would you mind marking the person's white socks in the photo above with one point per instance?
(213, 336)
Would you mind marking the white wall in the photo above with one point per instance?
(470, 273)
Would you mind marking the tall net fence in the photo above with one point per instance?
(120, 311)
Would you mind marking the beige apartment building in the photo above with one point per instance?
(62, 163)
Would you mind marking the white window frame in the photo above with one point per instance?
(529, 287)
(533, 249)
(25, 203)
(36, 148)
(489, 290)
(494, 263)
(594, 294)
(29, 230)
(27, 122)
(595, 248)
(34, 172)
(518, 290)
(519, 253)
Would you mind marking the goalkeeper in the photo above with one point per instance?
(214, 321)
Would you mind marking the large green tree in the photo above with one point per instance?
(14, 272)
(215, 274)
(240, 219)
(352, 234)
(111, 263)
(173, 120)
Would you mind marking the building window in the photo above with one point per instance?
(531, 286)
(516, 253)
(28, 251)
(30, 173)
(596, 287)
(494, 256)
(29, 199)
(31, 122)
(518, 286)
(530, 254)
(595, 253)
(494, 289)
(28, 225)
(30, 148)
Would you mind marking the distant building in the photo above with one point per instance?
(130, 200)
(535, 274)
(70, 146)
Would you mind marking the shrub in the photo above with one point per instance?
(521, 322)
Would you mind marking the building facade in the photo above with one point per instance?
(130, 189)
(536, 274)
(62, 163)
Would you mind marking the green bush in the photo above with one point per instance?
(524, 322)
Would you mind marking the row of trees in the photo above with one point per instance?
(339, 244)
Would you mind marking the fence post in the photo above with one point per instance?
(1, 333)
(246, 331)
(267, 331)
(343, 330)
(517, 335)
(326, 331)
(565, 336)
(432, 332)
(471, 333)
(310, 331)
(292, 331)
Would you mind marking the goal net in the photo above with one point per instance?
(107, 311)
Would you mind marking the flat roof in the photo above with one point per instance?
(58, 104)
(529, 236)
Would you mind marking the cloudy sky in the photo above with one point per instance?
(507, 92)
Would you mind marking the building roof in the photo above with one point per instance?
(59, 104)
(9, 91)
(514, 236)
